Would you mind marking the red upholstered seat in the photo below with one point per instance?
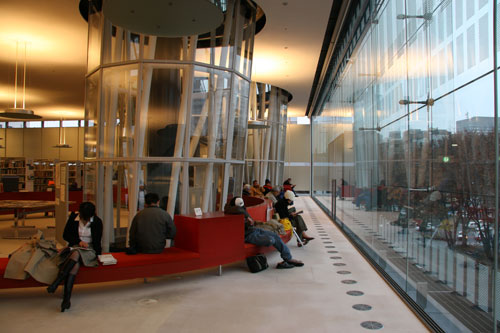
(211, 240)
(172, 260)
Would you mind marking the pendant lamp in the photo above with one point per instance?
(15, 112)
(62, 138)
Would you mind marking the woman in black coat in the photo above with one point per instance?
(83, 232)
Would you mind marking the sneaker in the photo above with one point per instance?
(284, 264)
(295, 262)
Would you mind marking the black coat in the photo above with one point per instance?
(281, 207)
(72, 237)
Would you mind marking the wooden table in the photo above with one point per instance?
(24, 207)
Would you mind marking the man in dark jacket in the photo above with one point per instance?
(151, 227)
(261, 237)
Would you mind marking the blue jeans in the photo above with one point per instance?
(262, 237)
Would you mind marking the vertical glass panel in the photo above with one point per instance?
(209, 113)
(163, 110)
(119, 94)
(94, 39)
(241, 88)
(92, 98)
(164, 48)
(235, 186)
(120, 44)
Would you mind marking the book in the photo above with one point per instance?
(107, 259)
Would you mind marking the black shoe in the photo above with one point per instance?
(68, 288)
(295, 262)
(284, 264)
(63, 272)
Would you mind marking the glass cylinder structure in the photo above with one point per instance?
(265, 157)
(166, 115)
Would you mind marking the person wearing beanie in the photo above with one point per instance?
(261, 237)
(267, 187)
(281, 207)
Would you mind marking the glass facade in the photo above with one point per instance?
(166, 115)
(405, 153)
(265, 155)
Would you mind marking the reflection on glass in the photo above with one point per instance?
(413, 183)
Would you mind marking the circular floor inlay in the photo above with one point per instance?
(147, 301)
(339, 264)
(355, 293)
(343, 272)
(333, 251)
(362, 307)
(349, 281)
(372, 325)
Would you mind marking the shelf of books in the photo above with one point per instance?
(43, 175)
(36, 175)
(10, 168)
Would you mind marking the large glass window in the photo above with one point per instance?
(404, 155)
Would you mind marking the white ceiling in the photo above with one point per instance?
(286, 52)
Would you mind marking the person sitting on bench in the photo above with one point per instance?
(150, 228)
(83, 232)
(297, 221)
(261, 237)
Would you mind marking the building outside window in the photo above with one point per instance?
(404, 155)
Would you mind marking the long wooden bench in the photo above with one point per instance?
(201, 242)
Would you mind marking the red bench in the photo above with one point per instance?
(208, 241)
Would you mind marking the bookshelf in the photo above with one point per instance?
(35, 175)
(14, 167)
(43, 173)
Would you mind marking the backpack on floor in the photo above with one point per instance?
(257, 263)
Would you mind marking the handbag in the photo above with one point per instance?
(257, 263)
(286, 223)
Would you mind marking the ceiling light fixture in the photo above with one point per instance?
(62, 137)
(15, 112)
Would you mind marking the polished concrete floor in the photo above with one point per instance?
(322, 296)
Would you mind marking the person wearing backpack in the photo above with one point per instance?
(262, 237)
